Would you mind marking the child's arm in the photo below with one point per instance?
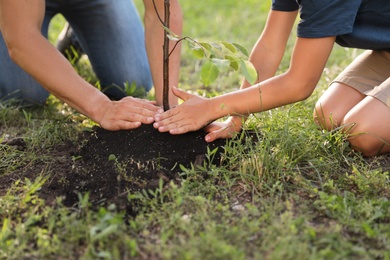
(307, 63)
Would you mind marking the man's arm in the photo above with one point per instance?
(154, 37)
(20, 24)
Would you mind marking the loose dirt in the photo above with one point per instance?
(111, 165)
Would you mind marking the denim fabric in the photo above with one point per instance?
(110, 33)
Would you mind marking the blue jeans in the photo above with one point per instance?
(110, 33)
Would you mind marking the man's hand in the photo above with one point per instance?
(128, 113)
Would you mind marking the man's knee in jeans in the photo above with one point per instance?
(27, 94)
(124, 85)
(118, 90)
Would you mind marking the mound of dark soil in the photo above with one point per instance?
(110, 165)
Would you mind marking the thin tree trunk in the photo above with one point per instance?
(166, 57)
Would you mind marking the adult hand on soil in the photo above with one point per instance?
(223, 130)
(193, 114)
(128, 113)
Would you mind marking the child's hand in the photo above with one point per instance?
(223, 130)
(191, 115)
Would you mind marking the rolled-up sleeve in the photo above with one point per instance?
(284, 5)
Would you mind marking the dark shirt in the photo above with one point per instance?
(361, 24)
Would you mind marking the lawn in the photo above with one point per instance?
(297, 193)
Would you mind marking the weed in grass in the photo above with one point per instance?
(370, 183)
(12, 159)
(129, 89)
(368, 220)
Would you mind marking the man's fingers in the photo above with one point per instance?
(132, 102)
(136, 111)
(130, 125)
(120, 125)
(129, 113)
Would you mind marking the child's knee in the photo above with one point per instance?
(363, 139)
(368, 146)
(323, 116)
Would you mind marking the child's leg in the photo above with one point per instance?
(368, 125)
(359, 100)
(334, 104)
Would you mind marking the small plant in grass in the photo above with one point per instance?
(129, 89)
(218, 55)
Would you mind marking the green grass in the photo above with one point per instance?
(299, 193)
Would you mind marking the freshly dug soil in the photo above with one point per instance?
(111, 165)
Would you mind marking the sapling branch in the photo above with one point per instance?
(158, 15)
(177, 43)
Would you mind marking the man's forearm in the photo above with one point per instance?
(42, 61)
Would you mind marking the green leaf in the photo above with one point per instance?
(209, 73)
(198, 52)
(206, 45)
(229, 46)
(130, 88)
(233, 62)
(249, 71)
(98, 233)
(170, 32)
(216, 46)
(220, 62)
(173, 38)
(112, 157)
(191, 45)
(241, 49)
(234, 65)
